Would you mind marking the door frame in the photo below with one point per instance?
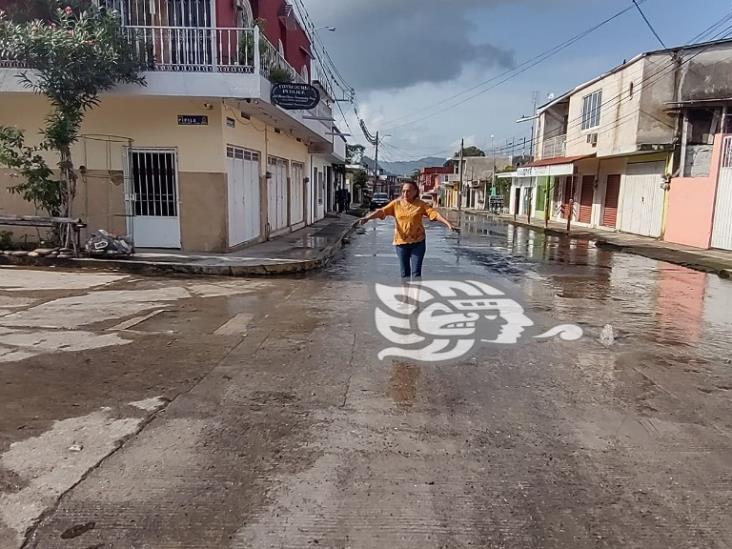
(286, 228)
(129, 187)
(257, 185)
(619, 177)
(592, 198)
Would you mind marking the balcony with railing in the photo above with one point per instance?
(554, 147)
(204, 61)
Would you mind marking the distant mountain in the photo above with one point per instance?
(405, 167)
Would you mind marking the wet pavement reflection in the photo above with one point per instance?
(667, 308)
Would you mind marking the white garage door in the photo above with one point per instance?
(243, 187)
(641, 203)
(722, 230)
(297, 194)
(277, 194)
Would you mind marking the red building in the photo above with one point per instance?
(283, 29)
(430, 178)
(280, 25)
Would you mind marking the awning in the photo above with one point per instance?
(561, 165)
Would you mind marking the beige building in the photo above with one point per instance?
(607, 149)
(199, 159)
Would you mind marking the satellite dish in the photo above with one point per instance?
(550, 96)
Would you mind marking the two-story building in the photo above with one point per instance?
(607, 149)
(477, 175)
(200, 158)
(430, 178)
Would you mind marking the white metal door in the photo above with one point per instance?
(722, 228)
(641, 202)
(243, 187)
(297, 199)
(277, 194)
(153, 196)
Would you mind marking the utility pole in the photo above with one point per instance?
(493, 179)
(535, 100)
(377, 179)
(460, 187)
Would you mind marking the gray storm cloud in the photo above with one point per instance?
(381, 44)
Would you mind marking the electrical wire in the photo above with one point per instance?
(645, 83)
(650, 26)
(511, 73)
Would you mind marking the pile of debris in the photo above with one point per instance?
(103, 244)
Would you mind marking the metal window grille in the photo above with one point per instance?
(154, 183)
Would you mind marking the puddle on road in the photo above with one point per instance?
(647, 302)
(403, 384)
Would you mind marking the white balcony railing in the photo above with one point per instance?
(203, 49)
(554, 147)
(272, 60)
(195, 49)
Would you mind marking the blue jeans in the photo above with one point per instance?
(410, 258)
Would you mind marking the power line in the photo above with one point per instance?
(414, 152)
(645, 83)
(643, 15)
(511, 73)
(315, 39)
(619, 97)
(628, 117)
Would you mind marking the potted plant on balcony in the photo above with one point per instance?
(279, 75)
(246, 44)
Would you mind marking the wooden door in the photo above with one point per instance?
(588, 191)
(612, 192)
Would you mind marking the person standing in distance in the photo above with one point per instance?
(409, 233)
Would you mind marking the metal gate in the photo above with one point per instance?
(297, 194)
(722, 227)
(243, 187)
(277, 194)
(152, 195)
(641, 200)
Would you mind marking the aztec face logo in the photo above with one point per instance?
(438, 320)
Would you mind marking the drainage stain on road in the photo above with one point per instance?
(403, 384)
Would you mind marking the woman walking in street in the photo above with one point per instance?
(409, 233)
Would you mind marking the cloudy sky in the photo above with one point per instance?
(407, 58)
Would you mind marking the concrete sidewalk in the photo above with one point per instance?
(300, 251)
(711, 261)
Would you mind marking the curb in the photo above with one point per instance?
(136, 266)
(677, 257)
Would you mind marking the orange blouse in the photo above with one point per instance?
(407, 219)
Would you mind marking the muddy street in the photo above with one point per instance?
(255, 413)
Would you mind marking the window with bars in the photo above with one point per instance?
(154, 183)
(591, 107)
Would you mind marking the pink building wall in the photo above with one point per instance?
(691, 205)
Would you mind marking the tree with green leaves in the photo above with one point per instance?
(74, 58)
(470, 151)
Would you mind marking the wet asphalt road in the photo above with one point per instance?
(287, 431)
